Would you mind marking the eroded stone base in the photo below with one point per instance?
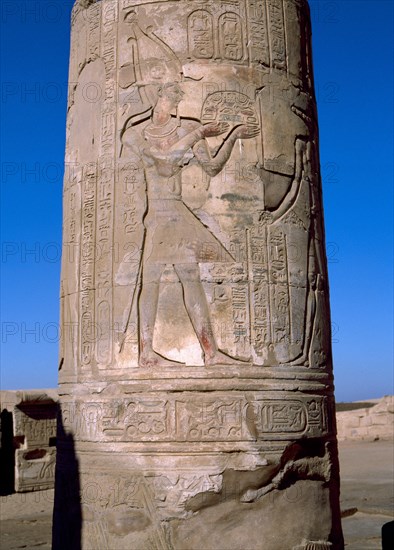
(234, 525)
(186, 469)
(189, 500)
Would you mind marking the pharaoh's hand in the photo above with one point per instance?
(246, 131)
(215, 129)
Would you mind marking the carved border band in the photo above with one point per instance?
(195, 417)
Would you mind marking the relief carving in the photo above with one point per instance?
(230, 36)
(199, 418)
(277, 32)
(258, 36)
(195, 362)
(200, 35)
(173, 234)
(260, 317)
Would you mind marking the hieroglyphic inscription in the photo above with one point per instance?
(320, 417)
(72, 202)
(37, 425)
(106, 187)
(238, 246)
(104, 232)
(197, 418)
(107, 124)
(262, 305)
(261, 316)
(93, 21)
(277, 34)
(258, 39)
(70, 264)
(108, 53)
(282, 417)
(200, 35)
(240, 294)
(240, 315)
(279, 289)
(127, 254)
(217, 33)
(293, 416)
(73, 73)
(129, 174)
(230, 36)
(222, 25)
(87, 260)
(216, 420)
(140, 419)
(293, 20)
(262, 327)
(266, 294)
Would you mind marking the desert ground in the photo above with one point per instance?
(367, 498)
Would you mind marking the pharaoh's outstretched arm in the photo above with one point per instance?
(180, 148)
(213, 165)
(196, 136)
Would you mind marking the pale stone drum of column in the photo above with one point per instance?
(196, 383)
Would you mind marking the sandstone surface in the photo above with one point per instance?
(371, 423)
(195, 374)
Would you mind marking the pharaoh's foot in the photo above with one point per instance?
(220, 358)
(153, 359)
(301, 361)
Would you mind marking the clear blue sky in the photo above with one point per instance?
(353, 48)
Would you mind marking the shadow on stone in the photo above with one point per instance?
(388, 536)
(7, 454)
(67, 512)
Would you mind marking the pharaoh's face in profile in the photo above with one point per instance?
(172, 93)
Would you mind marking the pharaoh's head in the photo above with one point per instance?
(170, 93)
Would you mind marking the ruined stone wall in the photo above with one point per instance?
(376, 422)
(28, 440)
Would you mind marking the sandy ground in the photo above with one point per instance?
(367, 484)
(367, 499)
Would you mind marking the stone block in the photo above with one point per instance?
(34, 425)
(366, 421)
(351, 421)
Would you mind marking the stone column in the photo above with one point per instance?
(195, 372)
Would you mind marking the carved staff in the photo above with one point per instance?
(137, 285)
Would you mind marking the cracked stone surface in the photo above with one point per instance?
(366, 472)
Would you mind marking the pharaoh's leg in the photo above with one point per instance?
(147, 307)
(197, 309)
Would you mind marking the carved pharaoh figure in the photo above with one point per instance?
(174, 235)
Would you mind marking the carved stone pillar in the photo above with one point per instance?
(196, 375)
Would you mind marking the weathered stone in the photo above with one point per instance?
(371, 423)
(196, 375)
(30, 439)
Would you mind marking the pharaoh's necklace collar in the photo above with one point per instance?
(161, 130)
